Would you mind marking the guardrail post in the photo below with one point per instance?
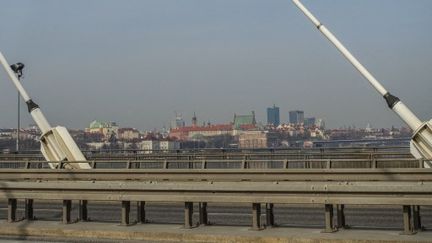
(67, 211)
(374, 164)
(329, 228)
(203, 216)
(188, 212)
(141, 214)
(165, 164)
(128, 164)
(328, 164)
(285, 165)
(416, 218)
(27, 164)
(125, 213)
(203, 164)
(269, 215)
(12, 207)
(407, 220)
(93, 164)
(340, 209)
(83, 210)
(421, 163)
(29, 209)
(256, 216)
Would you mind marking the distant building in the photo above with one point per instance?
(194, 120)
(244, 121)
(7, 133)
(128, 134)
(152, 143)
(320, 123)
(168, 144)
(178, 122)
(149, 144)
(107, 129)
(257, 139)
(273, 117)
(310, 122)
(196, 132)
(296, 117)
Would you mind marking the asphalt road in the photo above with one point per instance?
(377, 217)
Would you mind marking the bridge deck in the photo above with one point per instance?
(176, 233)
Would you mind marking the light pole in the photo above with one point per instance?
(18, 68)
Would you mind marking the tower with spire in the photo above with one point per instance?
(194, 120)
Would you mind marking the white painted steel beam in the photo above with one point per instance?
(56, 143)
(422, 131)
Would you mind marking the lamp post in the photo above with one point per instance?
(18, 68)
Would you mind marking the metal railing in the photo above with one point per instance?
(370, 178)
(243, 163)
(410, 195)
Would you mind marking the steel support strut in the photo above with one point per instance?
(329, 228)
(203, 216)
(67, 205)
(417, 225)
(408, 229)
(125, 213)
(12, 207)
(188, 212)
(340, 210)
(141, 213)
(256, 216)
(83, 213)
(421, 142)
(29, 209)
(269, 215)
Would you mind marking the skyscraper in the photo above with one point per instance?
(273, 115)
(178, 122)
(309, 122)
(296, 117)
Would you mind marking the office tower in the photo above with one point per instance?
(273, 117)
(296, 117)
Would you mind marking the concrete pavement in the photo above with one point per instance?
(99, 232)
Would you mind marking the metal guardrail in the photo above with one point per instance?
(230, 150)
(164, 163)
(371, 178)
(233, 175)
(327, 193)
(231, 153)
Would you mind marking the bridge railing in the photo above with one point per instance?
(409, 195)
(244, 163)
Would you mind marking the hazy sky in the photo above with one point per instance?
(136, 62)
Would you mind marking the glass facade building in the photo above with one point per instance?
(273, 116)
(296, 117)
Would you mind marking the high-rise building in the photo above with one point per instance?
(273, 117)
(309, 122)
(320, 123)
(178, 122)
(296, 117)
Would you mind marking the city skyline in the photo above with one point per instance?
(139, 62)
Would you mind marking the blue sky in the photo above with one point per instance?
(137, 62)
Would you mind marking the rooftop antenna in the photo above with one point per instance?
(421, 140)
(56, 143)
